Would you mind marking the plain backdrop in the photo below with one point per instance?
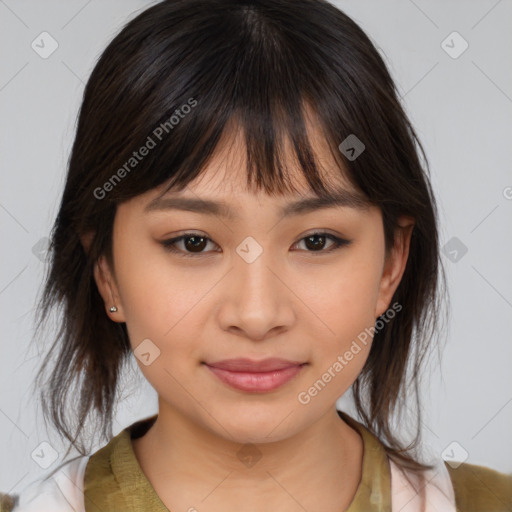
(460, 101)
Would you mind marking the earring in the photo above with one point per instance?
(113, 309)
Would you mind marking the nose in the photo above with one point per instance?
(256, 301)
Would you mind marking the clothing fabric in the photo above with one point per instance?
(112, 480)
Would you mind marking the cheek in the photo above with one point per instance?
(348, 289)
(341, 303)
(156, 296)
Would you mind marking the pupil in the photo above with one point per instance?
(195, 246)
(316, 245)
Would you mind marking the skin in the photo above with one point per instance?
(291, 302)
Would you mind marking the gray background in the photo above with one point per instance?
(461, 108)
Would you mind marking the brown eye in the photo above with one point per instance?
(192, 243)
(195, 243)
(315, 242)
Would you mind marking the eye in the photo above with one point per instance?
(194, 243)
(317, 241)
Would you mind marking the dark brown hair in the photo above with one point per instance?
(257, 64)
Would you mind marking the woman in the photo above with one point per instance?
(246, 212)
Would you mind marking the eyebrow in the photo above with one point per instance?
(341, 198)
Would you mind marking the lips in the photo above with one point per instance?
(250, 366)
(255, 376)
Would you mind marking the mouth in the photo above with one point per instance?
(255, 376)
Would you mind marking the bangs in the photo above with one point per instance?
(270, 151)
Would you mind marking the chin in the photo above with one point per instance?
(246, 429)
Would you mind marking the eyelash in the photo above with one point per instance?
(168, 245)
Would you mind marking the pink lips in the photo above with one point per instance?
(256, 376)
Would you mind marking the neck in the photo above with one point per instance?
(321, 463)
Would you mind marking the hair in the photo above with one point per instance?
(255, 65)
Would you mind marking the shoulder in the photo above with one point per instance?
(83, 478)
(61, 491)
(479, 488)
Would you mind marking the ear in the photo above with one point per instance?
(107, 287)
(394, 265)
(105, 281)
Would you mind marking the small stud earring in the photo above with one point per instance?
(113, 309)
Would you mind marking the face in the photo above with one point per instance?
(199, 287)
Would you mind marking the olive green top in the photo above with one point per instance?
(114, 480)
